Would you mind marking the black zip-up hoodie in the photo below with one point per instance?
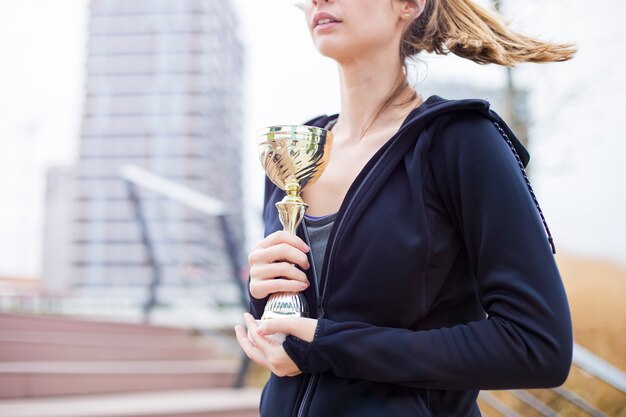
(438, 281)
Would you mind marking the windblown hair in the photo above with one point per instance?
(472, 32)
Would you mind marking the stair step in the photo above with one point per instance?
(36, 379)
(224, 402)
(116, 367)
(57, 350)
(49, 322)
(101, 337)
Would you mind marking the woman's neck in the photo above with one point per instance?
(365, 84)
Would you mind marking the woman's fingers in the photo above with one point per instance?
(280, 252)
(265, 352)
(277, 269)
(251, 351)
(278, 256)
(280, 236)
(261, 289)
(301, 327)
(259, 341)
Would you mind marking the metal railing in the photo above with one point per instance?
(599, 368)
(137, 178)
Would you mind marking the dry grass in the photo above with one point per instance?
(596, 290)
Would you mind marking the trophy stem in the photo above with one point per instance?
(291, 214)
(285, 304)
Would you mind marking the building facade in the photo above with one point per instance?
(164, 93)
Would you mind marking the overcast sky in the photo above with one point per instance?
(577, 144)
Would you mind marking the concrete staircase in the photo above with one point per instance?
(74, 367)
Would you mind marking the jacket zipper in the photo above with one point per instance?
(312, 380)
(307, 393)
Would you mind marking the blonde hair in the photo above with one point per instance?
(471, 32)
(480, 35)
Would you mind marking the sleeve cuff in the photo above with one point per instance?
(298, 349)
(257, 307)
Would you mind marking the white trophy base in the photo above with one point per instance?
(278, 338)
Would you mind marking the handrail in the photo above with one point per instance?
(578, 401)
(137, 177)
(535, 403)
(599, 368)
(495, 403)
(173, 191)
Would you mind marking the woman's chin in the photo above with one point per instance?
(331, 51)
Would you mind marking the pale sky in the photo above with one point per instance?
(576, 147)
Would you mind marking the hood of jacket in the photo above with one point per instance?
(435, 106)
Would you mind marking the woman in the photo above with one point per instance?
(424, 254)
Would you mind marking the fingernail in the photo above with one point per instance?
(306, 248)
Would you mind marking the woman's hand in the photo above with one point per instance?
(272, 355)
(271, 258)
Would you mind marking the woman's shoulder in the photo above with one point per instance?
(467, 130)
(314, 120)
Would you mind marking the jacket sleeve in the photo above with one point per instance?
(257, 306)
(526, 341)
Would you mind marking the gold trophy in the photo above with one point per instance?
(292, 157)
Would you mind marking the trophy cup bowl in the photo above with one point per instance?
(292, 157)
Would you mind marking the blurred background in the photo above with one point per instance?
(131, 193)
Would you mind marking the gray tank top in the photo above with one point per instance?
(318, 229)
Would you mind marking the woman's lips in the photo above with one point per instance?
(323, 21)
(326, 26)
